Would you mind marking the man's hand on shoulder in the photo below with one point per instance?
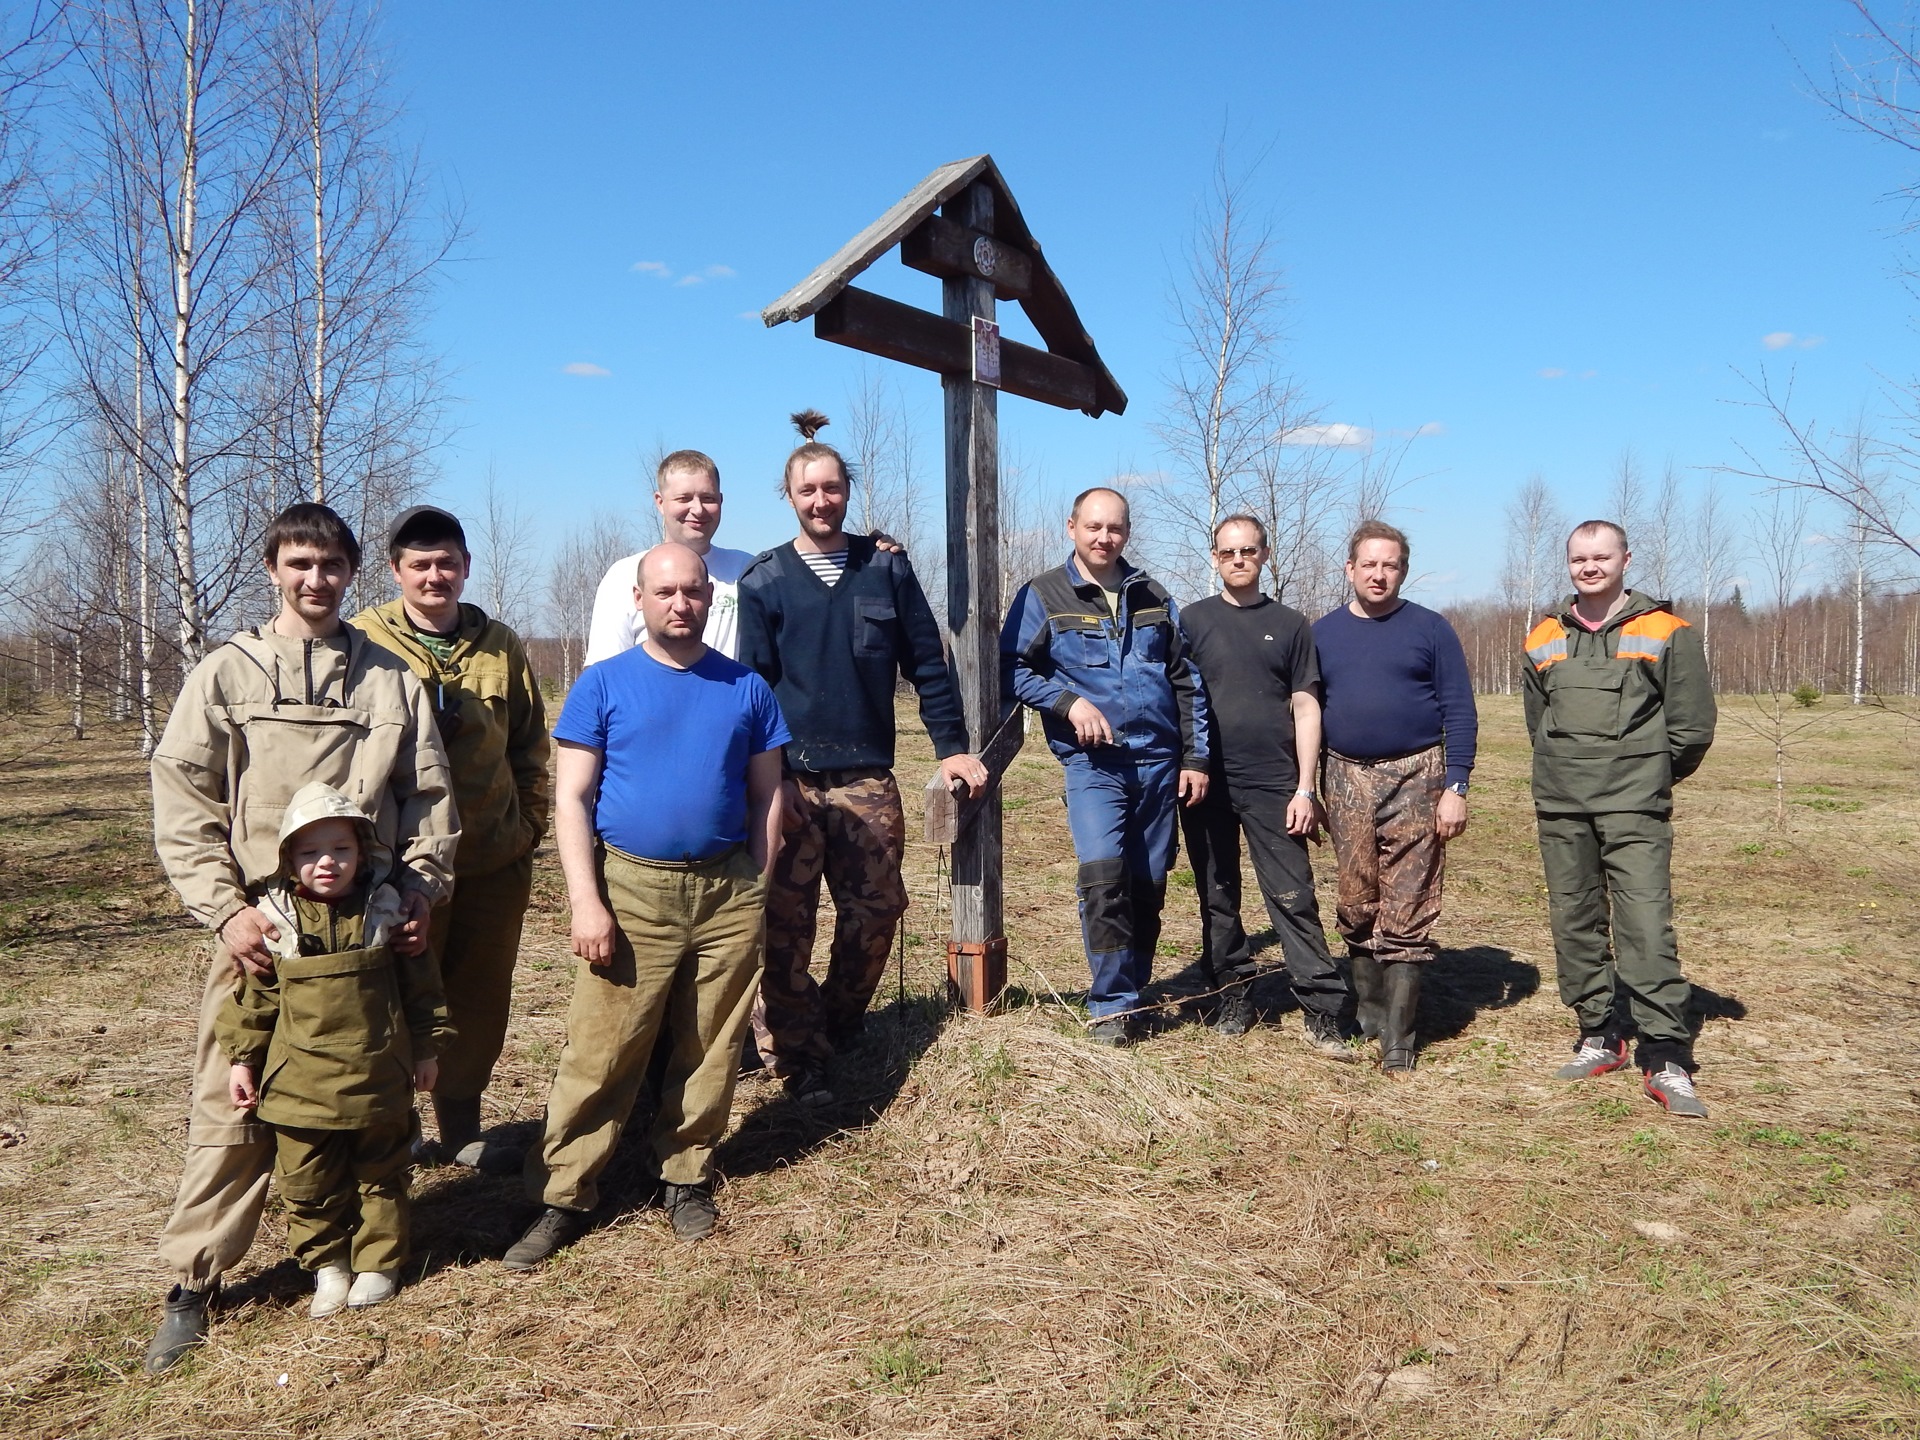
(1450, 817)
(245, 933)
(593, 932)
(410, 936)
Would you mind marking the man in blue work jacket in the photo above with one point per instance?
(1095, 647)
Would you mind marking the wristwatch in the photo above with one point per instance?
(1458, 787)
(1305, 795)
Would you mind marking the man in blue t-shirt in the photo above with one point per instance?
(1400, 729)
(667, 816)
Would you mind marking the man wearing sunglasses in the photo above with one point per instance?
(493, 723)
(1257, 659)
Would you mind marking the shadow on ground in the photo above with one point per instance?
(1461, 984)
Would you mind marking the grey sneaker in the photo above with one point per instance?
(1110, 1031)
(692, 1211)
(553, 1232)
(809, 1086)
(183, 1326)
(1595, 1055)
(1323, 1036)
(1235, 1015)
(1673, 1088)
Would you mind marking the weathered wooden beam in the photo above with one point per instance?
(937, 246)
(946, 812)
(976, 952)
(871, 243)
(879, 326)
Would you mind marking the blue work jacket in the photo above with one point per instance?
(1061, 644)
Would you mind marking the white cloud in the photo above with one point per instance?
(1807, 342)
(1778, 340)
(685, 280)
(718, 272)
(1432, 427)
(1552, 372)
(587, 369)
(1337, 435)
(653, 267)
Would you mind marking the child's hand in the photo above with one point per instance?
(241, 1089)
(426, 1075)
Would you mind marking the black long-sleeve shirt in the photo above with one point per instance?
(831, 654)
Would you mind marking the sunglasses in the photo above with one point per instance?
(1239, 552)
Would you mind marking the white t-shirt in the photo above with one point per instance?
(616, 626)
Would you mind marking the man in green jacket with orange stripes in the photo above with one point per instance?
(1619, 707)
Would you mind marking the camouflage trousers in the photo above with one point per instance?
(851, 832)
(1381, 815)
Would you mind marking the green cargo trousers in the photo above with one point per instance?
(1609, 877)
(476, 938)
(346, 1194)
(686, 964)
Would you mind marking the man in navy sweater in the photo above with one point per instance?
(1400, 729)
(830, 620)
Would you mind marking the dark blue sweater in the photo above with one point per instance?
(1396, 685)
(831, 655)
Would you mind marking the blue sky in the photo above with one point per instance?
(1467, 198)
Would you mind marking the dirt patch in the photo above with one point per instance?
(1001, 1231)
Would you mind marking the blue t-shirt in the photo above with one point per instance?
(673, 784)
(1395, 685)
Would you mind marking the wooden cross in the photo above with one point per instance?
(979, 245)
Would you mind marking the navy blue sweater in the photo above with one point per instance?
(831, 654)
(1396, 685)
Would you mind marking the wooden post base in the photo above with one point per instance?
(977, 972)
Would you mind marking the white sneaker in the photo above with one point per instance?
(373, 1287)
(331, 1284)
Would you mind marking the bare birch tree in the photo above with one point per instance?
(189, 148)
(583, 556)
(1780, 547)
(1626, 496)
(1535, 559)
(1656, 549)
(504, 565)
(1229, 400)
(1712, 554)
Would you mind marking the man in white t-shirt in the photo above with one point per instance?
(687, 495)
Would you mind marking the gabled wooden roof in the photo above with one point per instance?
(1049, 308)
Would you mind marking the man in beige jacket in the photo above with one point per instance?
(300, 699)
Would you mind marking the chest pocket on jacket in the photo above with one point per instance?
(342, 1002)
(1584, 700)
(1079, 644)
(1150, 637)
(873, 626)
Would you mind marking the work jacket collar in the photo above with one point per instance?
(1129, 573)
(1638, 603)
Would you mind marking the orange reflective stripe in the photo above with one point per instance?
(1654, 625)
(1546, 643)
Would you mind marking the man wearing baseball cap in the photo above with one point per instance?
(494, 726)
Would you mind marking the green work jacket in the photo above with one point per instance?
(1616, 715)
(493, 724)
(333, 1033)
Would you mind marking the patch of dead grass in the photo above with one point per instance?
(1004, 1231)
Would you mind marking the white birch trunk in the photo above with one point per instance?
(180, 491)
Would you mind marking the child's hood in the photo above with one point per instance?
(320, 801)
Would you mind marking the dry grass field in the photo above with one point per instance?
(999, 1230)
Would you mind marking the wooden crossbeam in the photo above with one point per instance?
(873, 323)
(948, 812)
(940, 247)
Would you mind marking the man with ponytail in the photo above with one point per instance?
(831, 620)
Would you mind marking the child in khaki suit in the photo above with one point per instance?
(329, 1049)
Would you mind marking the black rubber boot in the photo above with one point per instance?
(1401, 982)
(461, 1142)
(1369, 997)
(183, 1327)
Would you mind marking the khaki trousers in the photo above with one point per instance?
(476, 939)
(223, 1183)
(687, 954)
(346, 1194)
